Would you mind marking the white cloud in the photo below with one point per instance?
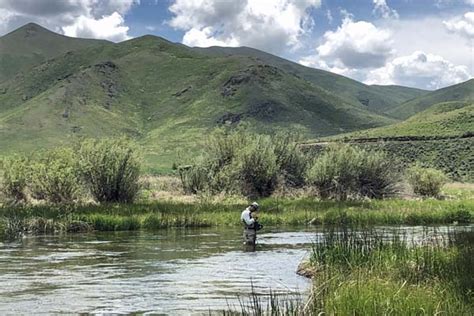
(356, 45)
(391, 53)
(431, 36)
(329, 16)
(463, 26)
(421, 70)
(79, 17)
(205, 37)
(271, 25)
(109, 27)
(382, 9)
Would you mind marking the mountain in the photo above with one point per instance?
(459, 92)
(168, 96)
(32, 44)
(447, 119)
(374, 98)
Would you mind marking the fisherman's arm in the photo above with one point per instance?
(248, 219)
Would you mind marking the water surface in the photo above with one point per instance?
(175, 271)
(167, 271)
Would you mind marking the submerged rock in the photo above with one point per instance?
(306, 269)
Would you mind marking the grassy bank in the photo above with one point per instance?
(365, 274)
(275, 211)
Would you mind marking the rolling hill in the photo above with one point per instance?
(168, 95)
(374, 98)
(32, 44)
(442, 120)
(459, 92)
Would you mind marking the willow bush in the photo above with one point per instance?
(14, 177)
(110, 169)
(243, 162)
(426, 181)
(54, 176)
(256, 168)
(343, 172)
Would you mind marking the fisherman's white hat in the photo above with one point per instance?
(255, 204)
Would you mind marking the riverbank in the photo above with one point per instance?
(367, 274)
(40, 219)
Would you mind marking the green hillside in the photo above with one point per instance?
(32, 44)
(459, 92)
(167, 96)
(440, 136)
(447, 119)
(374, 98)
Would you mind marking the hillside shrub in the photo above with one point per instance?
(292, 162)
(343, 172)
(54, 176)
(110, 169)
(240, 161)
(14, 177)
(426, 181)
(256, 168)
(193, 178)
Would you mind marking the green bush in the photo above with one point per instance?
(243, 162)
(54, 176)
(426, 181)
(110, 169)
(14, 177)
(292, 162)
(193, 178)
(256, 168)
(343, 171)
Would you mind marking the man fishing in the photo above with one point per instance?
(249, 218)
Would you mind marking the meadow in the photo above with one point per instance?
(183, 211)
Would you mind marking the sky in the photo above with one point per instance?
(427, 44)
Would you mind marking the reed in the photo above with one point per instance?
(364, 273)
(20, 219)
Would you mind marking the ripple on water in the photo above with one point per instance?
(169, 271)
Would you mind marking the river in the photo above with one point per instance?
(174, 271)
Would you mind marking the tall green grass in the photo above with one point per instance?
(275, 212)
(365, 273)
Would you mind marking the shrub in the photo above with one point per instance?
(239, 161)
(426, 181)
(14, 169)
(193, 178)
(110, 168)
(291, 160)
(256, 168)
(54, 176)
(343, 171)
(378, 175)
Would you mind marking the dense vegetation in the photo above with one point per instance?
(254, 165)
(51, 219)
(106, 170)
(343, 172)
(238, 161)
(362, 272)
(426, 181)
(452, 156)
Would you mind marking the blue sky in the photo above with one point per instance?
(419, 43)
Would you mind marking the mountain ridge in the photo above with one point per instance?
(168, 96)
